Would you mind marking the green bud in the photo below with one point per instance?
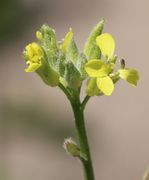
(72, 52)
(91, 50)
(81, 65)
(49, 44)
(39, 36)
(37, 61)
(71, 147)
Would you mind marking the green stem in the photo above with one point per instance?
(82, 138)
(78, 110)
(85, 101)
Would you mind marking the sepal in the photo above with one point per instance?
(91, 50)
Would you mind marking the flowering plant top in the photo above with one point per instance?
(60, 62)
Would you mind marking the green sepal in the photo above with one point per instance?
(72, 76)
(48, 75)
(91, 88)
(81, 65)
(60, 64)
(91, 50)
(49, 44)
(130, 75)
(115, 77)
(72, 52)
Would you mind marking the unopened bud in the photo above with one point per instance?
(71, 147)
(39, 35)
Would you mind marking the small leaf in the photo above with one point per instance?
(67, 40)
(106, 44)
(91, 50)
(91, 88)
(97, 68)
(130, 75)
(106, 85)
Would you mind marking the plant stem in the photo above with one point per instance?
(78, 111)
(85, 101)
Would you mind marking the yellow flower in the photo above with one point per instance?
(33, 55)
(100, 70)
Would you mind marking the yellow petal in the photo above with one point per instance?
(67, 40)
(32, 67)
(106, 85)
(97, 68)
(130, 75)
(106, 44)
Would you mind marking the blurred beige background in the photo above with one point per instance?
(35, 119)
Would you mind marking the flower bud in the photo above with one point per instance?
(71, 147)
(33, 55)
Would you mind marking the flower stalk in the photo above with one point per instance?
(78, 111)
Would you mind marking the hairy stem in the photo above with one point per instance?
(82, 139)
(78, 110)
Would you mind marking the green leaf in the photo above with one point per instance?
(106, 85)
(91, 88)
(91, 50)
(72, 76)
(97, 68)
(106, 44)
(130, 75)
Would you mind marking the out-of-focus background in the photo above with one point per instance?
(35, 119)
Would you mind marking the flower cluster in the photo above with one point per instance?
(61, 63)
